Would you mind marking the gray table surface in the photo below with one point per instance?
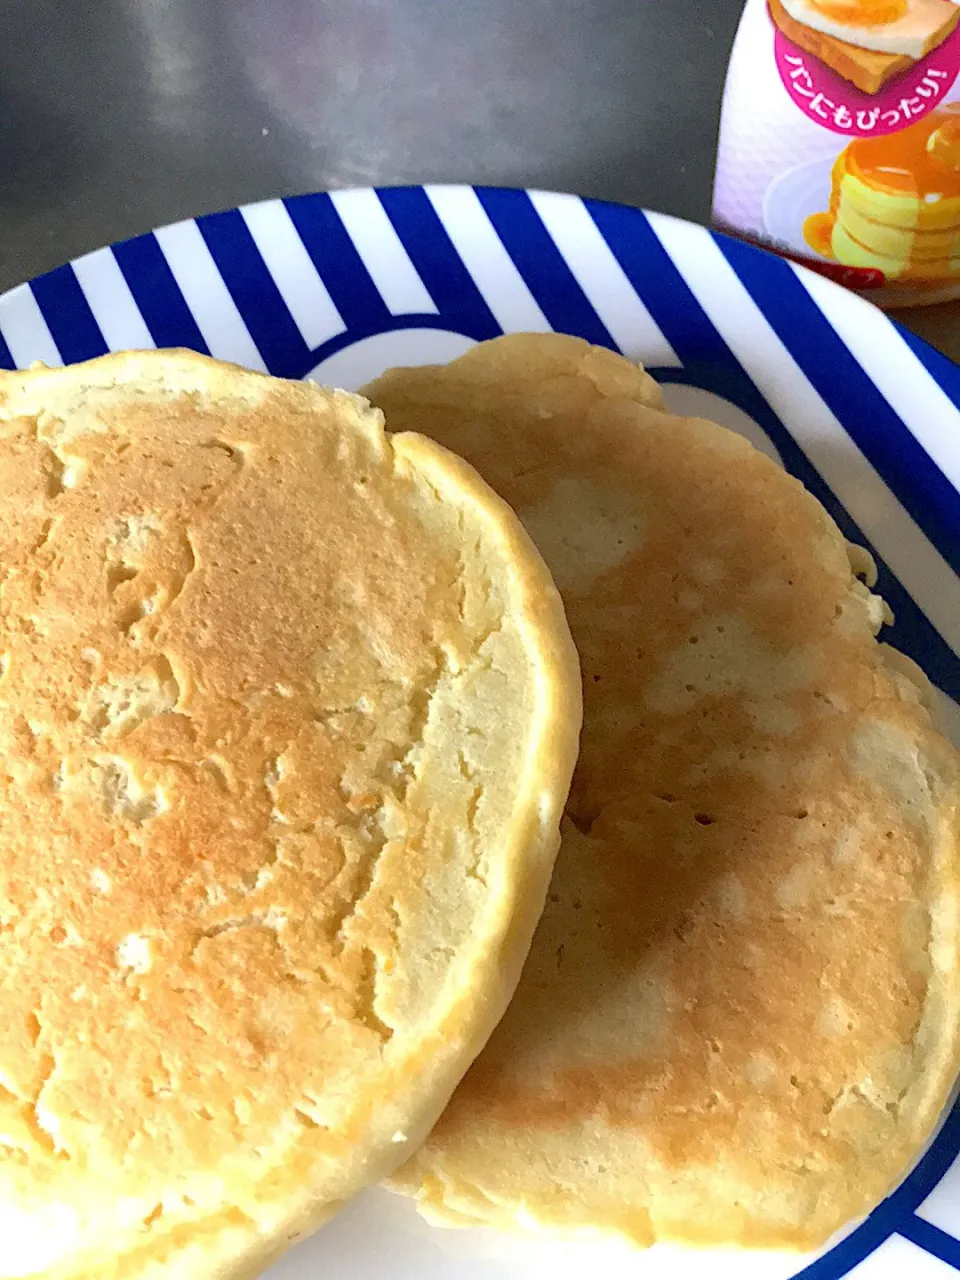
(120, 115)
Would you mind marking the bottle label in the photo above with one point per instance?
(840, 141)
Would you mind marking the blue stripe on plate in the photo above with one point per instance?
(894, 1213)
(339, 265)
(542, 265)
(932, 1240)
(659, 284)
(68, 315)
(6, 359)
(943, 371)
(157, 295)
(257, 298)
(709, 363)
(904, 465)
(440, 267)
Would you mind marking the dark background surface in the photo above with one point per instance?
(121, 115)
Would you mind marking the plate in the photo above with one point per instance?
(789, 201)
(339, 286)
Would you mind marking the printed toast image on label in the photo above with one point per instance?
(868, 42)
(861, 92)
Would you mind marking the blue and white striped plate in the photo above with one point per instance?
(341, 286)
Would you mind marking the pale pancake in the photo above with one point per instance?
(740, 1019)
(288, 713)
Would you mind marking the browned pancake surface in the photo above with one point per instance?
(739, 1021)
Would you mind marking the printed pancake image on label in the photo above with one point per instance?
(895, 203)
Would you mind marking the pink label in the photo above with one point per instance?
(837, 105)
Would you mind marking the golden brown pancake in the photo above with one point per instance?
(740, 1018)
(288, 713)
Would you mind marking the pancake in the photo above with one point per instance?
(740, 1018)
(288, 714)
(895, 203)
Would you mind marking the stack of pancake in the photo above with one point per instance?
(895, 202)
(289, 712)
